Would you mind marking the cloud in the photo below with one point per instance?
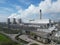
(46, 6)
(6, 9)
(26, 2)
(12, 15)
(17, 7)
(2, 1)
(3, 18)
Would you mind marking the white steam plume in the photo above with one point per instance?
(47, 7)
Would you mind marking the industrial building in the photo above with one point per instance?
(42, 28)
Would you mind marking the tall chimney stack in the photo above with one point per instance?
(20, 20)
(8, 21)
(40, 14)
(14, 21)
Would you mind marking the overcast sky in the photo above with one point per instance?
(29, 9)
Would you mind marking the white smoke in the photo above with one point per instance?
(46, 6)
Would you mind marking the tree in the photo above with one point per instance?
(34, 44)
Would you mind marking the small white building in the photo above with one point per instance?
(58, 34)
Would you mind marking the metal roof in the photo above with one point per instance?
(41, 21)
(41, 33)
(58, 34)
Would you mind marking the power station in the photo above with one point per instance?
(42, 28)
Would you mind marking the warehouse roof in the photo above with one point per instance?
(41, 21)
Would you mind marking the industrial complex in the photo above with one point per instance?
(42, 30)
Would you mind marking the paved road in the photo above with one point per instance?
(31, 41)
(25, 37)
(12, 36)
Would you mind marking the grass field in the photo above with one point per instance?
(4, 40)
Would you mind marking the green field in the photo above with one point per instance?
(4, 40)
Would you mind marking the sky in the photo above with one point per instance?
(29, 9)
